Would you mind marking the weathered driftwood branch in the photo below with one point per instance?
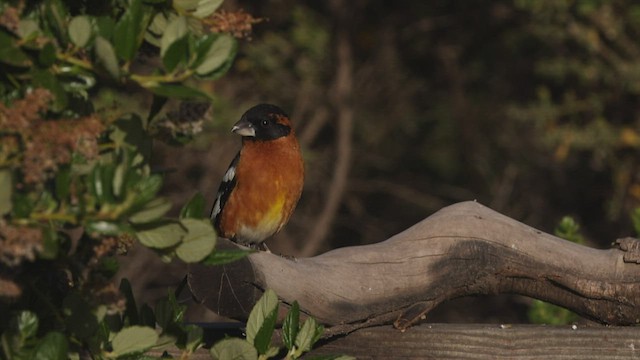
(463, 249)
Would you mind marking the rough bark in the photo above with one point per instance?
(463, 249)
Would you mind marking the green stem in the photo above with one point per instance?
(75, 61)
(54, 217)
(152, 80)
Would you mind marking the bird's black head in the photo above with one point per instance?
(263, 122)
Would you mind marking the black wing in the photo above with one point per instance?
(226, 186)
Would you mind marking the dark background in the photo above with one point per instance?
(527, 106)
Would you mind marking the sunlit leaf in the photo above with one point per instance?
(176, 29)
(27, 323)
(262, 309)
(218, 53)
(133, 339)
(205, 8)
(154, 210)
(161, 235)
(6, 190)
(107, 56)
(233, 349)
(309, 333)
(80, 30)
(199, 241)
(28, 29)
(156, 29)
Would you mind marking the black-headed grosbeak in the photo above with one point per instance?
(262, 186)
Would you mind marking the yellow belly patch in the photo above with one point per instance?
(267, 224)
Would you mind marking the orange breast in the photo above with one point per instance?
(269, 181)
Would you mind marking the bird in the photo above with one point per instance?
(262, 186)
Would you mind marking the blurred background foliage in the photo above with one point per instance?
(530, 107)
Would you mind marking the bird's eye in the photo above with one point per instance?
(265, 123)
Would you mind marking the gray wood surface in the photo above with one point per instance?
(463, 249)
(482, 341)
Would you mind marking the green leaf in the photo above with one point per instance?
(193, 209)
(179, 91)
(291, 325)
(45, 79)
(131, 309)
(158, 25)
(105, 26)
(233, 349)
(194, 337)
(161, 235)
(147, 317)
(50, 244)
(27, 324)
(107, 56)
(177, 53)
(176, 29)
(63, 183)
(219, 51)
(152, 211)
(53, 346)
(199, 241)
(128, 30)
(6, 190)
(133, 339)
(147, 188)
(80, 30)
(10, 53)
(47, 55)
(263, 308)
(262, 341)
(156, 106)
(169, 311)
(221, 257)
(28, 30)
(206, 8)
(56, 14)
(130, 131)
(309, 333)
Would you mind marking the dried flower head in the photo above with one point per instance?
(46, 144)
(10, 17)
(18, 243)
(236, 23)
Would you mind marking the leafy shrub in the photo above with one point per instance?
(76, 186)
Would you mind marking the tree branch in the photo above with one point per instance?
(464, 249)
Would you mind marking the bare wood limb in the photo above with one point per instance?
(463, 249)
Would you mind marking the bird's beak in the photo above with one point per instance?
(244, 128)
